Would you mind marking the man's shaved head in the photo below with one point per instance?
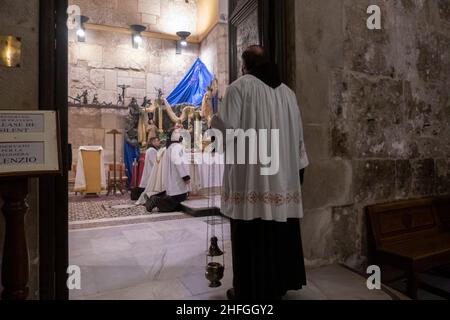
(253, 57)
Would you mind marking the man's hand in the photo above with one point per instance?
(187, 180)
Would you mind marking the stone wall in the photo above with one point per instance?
(107, 60)
(376, 111)
(214, 53)
(90, 126)
(19, 90)
(165, 16)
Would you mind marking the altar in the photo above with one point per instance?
(206, 171)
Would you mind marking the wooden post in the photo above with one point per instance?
(116, 185)
(15, 265)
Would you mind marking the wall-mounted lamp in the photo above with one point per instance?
(183, 40)
(136, 36)
(81, 31)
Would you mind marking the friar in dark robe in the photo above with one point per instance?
(264, 206)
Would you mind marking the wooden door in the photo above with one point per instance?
(270, 23)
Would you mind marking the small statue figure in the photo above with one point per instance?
(75, 100)
(147, 102)
(122, 97)
(85, 97)
(160, 93)
(95, 100)
(132, 134)
(207, 106)
(120, 101)
(134, 107)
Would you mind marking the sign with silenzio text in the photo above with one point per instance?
(29, 143)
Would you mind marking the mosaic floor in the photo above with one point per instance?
(103, 208)
(103, 211)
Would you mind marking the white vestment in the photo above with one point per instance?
(177, 164)
(150, 159)
(247, 195)
(157, 181)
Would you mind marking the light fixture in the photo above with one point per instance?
(137, 37)
(183, 40)
(81, 31)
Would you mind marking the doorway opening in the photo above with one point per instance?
(93, 79)
(136, 71)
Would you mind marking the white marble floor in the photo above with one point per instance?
(166, 261)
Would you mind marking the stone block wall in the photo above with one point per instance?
(90, 126)
(165, 16)
(107, 60)
(376, 112)
(214, 53)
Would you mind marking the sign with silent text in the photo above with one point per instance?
(29, 143)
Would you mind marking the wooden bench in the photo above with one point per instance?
(413, 236)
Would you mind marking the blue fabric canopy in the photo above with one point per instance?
(193, 87)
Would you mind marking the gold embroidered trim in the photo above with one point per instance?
(269, 198)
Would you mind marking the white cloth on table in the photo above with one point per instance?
(157, 181)
(150, 159)
(247, 194)
(206, 171)
(211, 170)
(80, 178)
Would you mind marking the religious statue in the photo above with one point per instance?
(132, 135)
(122, 96)
(147, 102)
(95, 100)
(77, 99)
(84, 95)
(207, 106)
(140, 121)
(152, 130)
(159, 107)
(120, 100)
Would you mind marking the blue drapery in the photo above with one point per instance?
(193, 87)
(130, 154)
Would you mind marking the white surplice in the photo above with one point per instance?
(247, 195)
(150, 160)
(157, 181)
(177, 166)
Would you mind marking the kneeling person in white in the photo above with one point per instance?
(177, 179)
(150, 160)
